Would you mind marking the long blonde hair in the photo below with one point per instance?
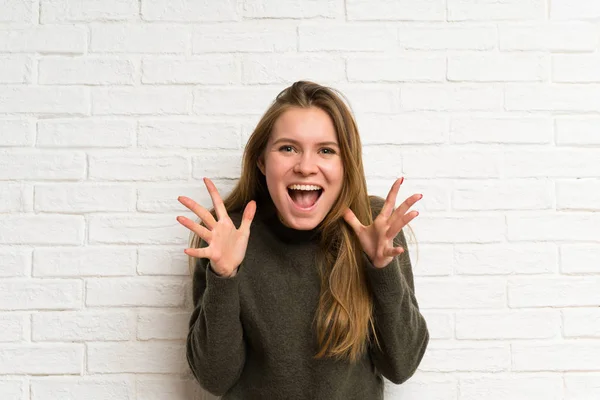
(344, 316)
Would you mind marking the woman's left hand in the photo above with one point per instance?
(377, 239)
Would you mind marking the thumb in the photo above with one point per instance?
(248, 216)
(351, 219)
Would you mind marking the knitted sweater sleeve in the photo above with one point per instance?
(215, 347)
(401, 329)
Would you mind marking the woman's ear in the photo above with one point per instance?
(261, 165)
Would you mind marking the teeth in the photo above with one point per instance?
(304, 187)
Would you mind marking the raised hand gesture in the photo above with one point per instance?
(226, 244)
(377, 239)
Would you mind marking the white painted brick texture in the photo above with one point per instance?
(110, 110)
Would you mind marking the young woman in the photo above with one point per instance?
(302, 283)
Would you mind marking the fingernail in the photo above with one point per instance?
(402, 181)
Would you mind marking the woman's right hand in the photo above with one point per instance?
(226, 244)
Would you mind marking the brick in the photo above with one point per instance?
(44, 39)
(53, 11)
(82, 326)
(521, 324)
(233, 100)
(16, 11)
(403, 10)
(153, 261)
(506, 259)
(500, 195)
(579, 258)
(427, 386)
(212, 70)
(562, 356)
(572, 97)
(577, 130)
(288, 68)
(475, 10)
(36, 359)
(167, 325)
(458, 97)
(44, 100)
(553, 292)
(413, 68)
(504, 130)
(64, 132)
(380, 162)
(461, 293)
(133, 229)
(14, 327)
(149, 357)
(582, 387)
(549, 36)
(439, 324)
(432, 260)
(163, 387)
(551, 163)
(86, 261)
(217, 165)
(141, 101)
(292, 9)
(579, 194)
(15, 262)
(13, 389)
(244, 37)
(40, 294)
(462, 229)
(83, 387)
(466, 357)
(83, 198)
(447, 37)
(189, 10)
(17, 132)
(514, 387)
(49, 230)
(554, 227)
(138, 167)
(451, 163)
(483, 67)
(380, 99)
(139, 38)
(15, 69)
(188, 134)
(134, 292)
(86, 71)
(336, 36)
(574, 9)
(581, 322)
(416, 129)
(164, 198)
(16, 197)
(575, 68)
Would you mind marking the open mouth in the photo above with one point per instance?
(304, 197)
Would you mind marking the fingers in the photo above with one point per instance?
(196, 228)
(200, 211)
(351, 219)
(216, 199)
(249, 213)
(394, 251)
(399, 223)
(390, 200)
(203, 252)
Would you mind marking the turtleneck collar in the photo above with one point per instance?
(267, 212)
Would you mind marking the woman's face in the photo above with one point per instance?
(303, 150)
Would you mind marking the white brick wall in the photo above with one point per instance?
(110, 110)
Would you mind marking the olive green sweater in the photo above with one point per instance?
(251, 336)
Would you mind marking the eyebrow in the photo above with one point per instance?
(297, 143)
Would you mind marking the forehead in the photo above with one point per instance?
(305, 125)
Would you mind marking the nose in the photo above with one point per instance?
(306, 165)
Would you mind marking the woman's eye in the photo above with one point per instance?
(329, 151)
(285, 148)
